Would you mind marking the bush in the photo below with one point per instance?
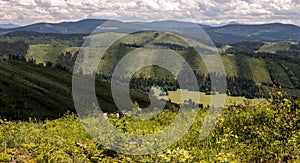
(266, 133)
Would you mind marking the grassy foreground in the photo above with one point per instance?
(266, 133)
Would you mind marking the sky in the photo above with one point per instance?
(24, 12)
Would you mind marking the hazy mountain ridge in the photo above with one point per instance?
(8, 26)
(79, 27)
(266, 32)
(230, 33)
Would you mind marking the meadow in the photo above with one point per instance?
(175, 97)
(261, 133)
(48, 52)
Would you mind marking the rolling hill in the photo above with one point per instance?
(45, 38)
(277, 47)
(245, 62)
(287, 47)
(265, 32)
(80, 27)
(252, 68)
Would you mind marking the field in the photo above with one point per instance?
(273, 47)
(175, 96)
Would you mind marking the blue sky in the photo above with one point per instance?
(25, 12)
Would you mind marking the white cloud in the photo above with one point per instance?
(25, 2)
(205, 11)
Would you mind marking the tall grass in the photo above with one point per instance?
(267, 133)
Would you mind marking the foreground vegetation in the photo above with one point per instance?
(267, 133)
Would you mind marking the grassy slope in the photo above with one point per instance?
(115, 53)
(35, 91)
(256, 69)
(279, 74)
(251, 68)
(28, 90)
(230, 65)
(259, 71)
(48, 52)
(243, 134)
(273, 47)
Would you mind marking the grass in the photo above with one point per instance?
(280, 74)
(256, 69)
(244, 66)
(273, 47)
(259, 71)
(115, 53)
(230, 65)
(243, 134)
(175, 96)
(48, 52)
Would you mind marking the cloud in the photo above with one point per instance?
(204, 11)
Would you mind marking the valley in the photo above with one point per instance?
(258, 123)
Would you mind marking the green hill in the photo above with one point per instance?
(45, 38)
(254, 63)
(234, 33)
(80, 27)
(273, 47)
(28, 90)
(33, 91)
(43, 53)
(13, 50)
(242, 61)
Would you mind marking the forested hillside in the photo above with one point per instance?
(251, 67)
(29, 90)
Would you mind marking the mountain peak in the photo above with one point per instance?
(233, 22)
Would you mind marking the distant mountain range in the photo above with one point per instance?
(265, 32)
(226, 34)
(79, 27)
(8, 26)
